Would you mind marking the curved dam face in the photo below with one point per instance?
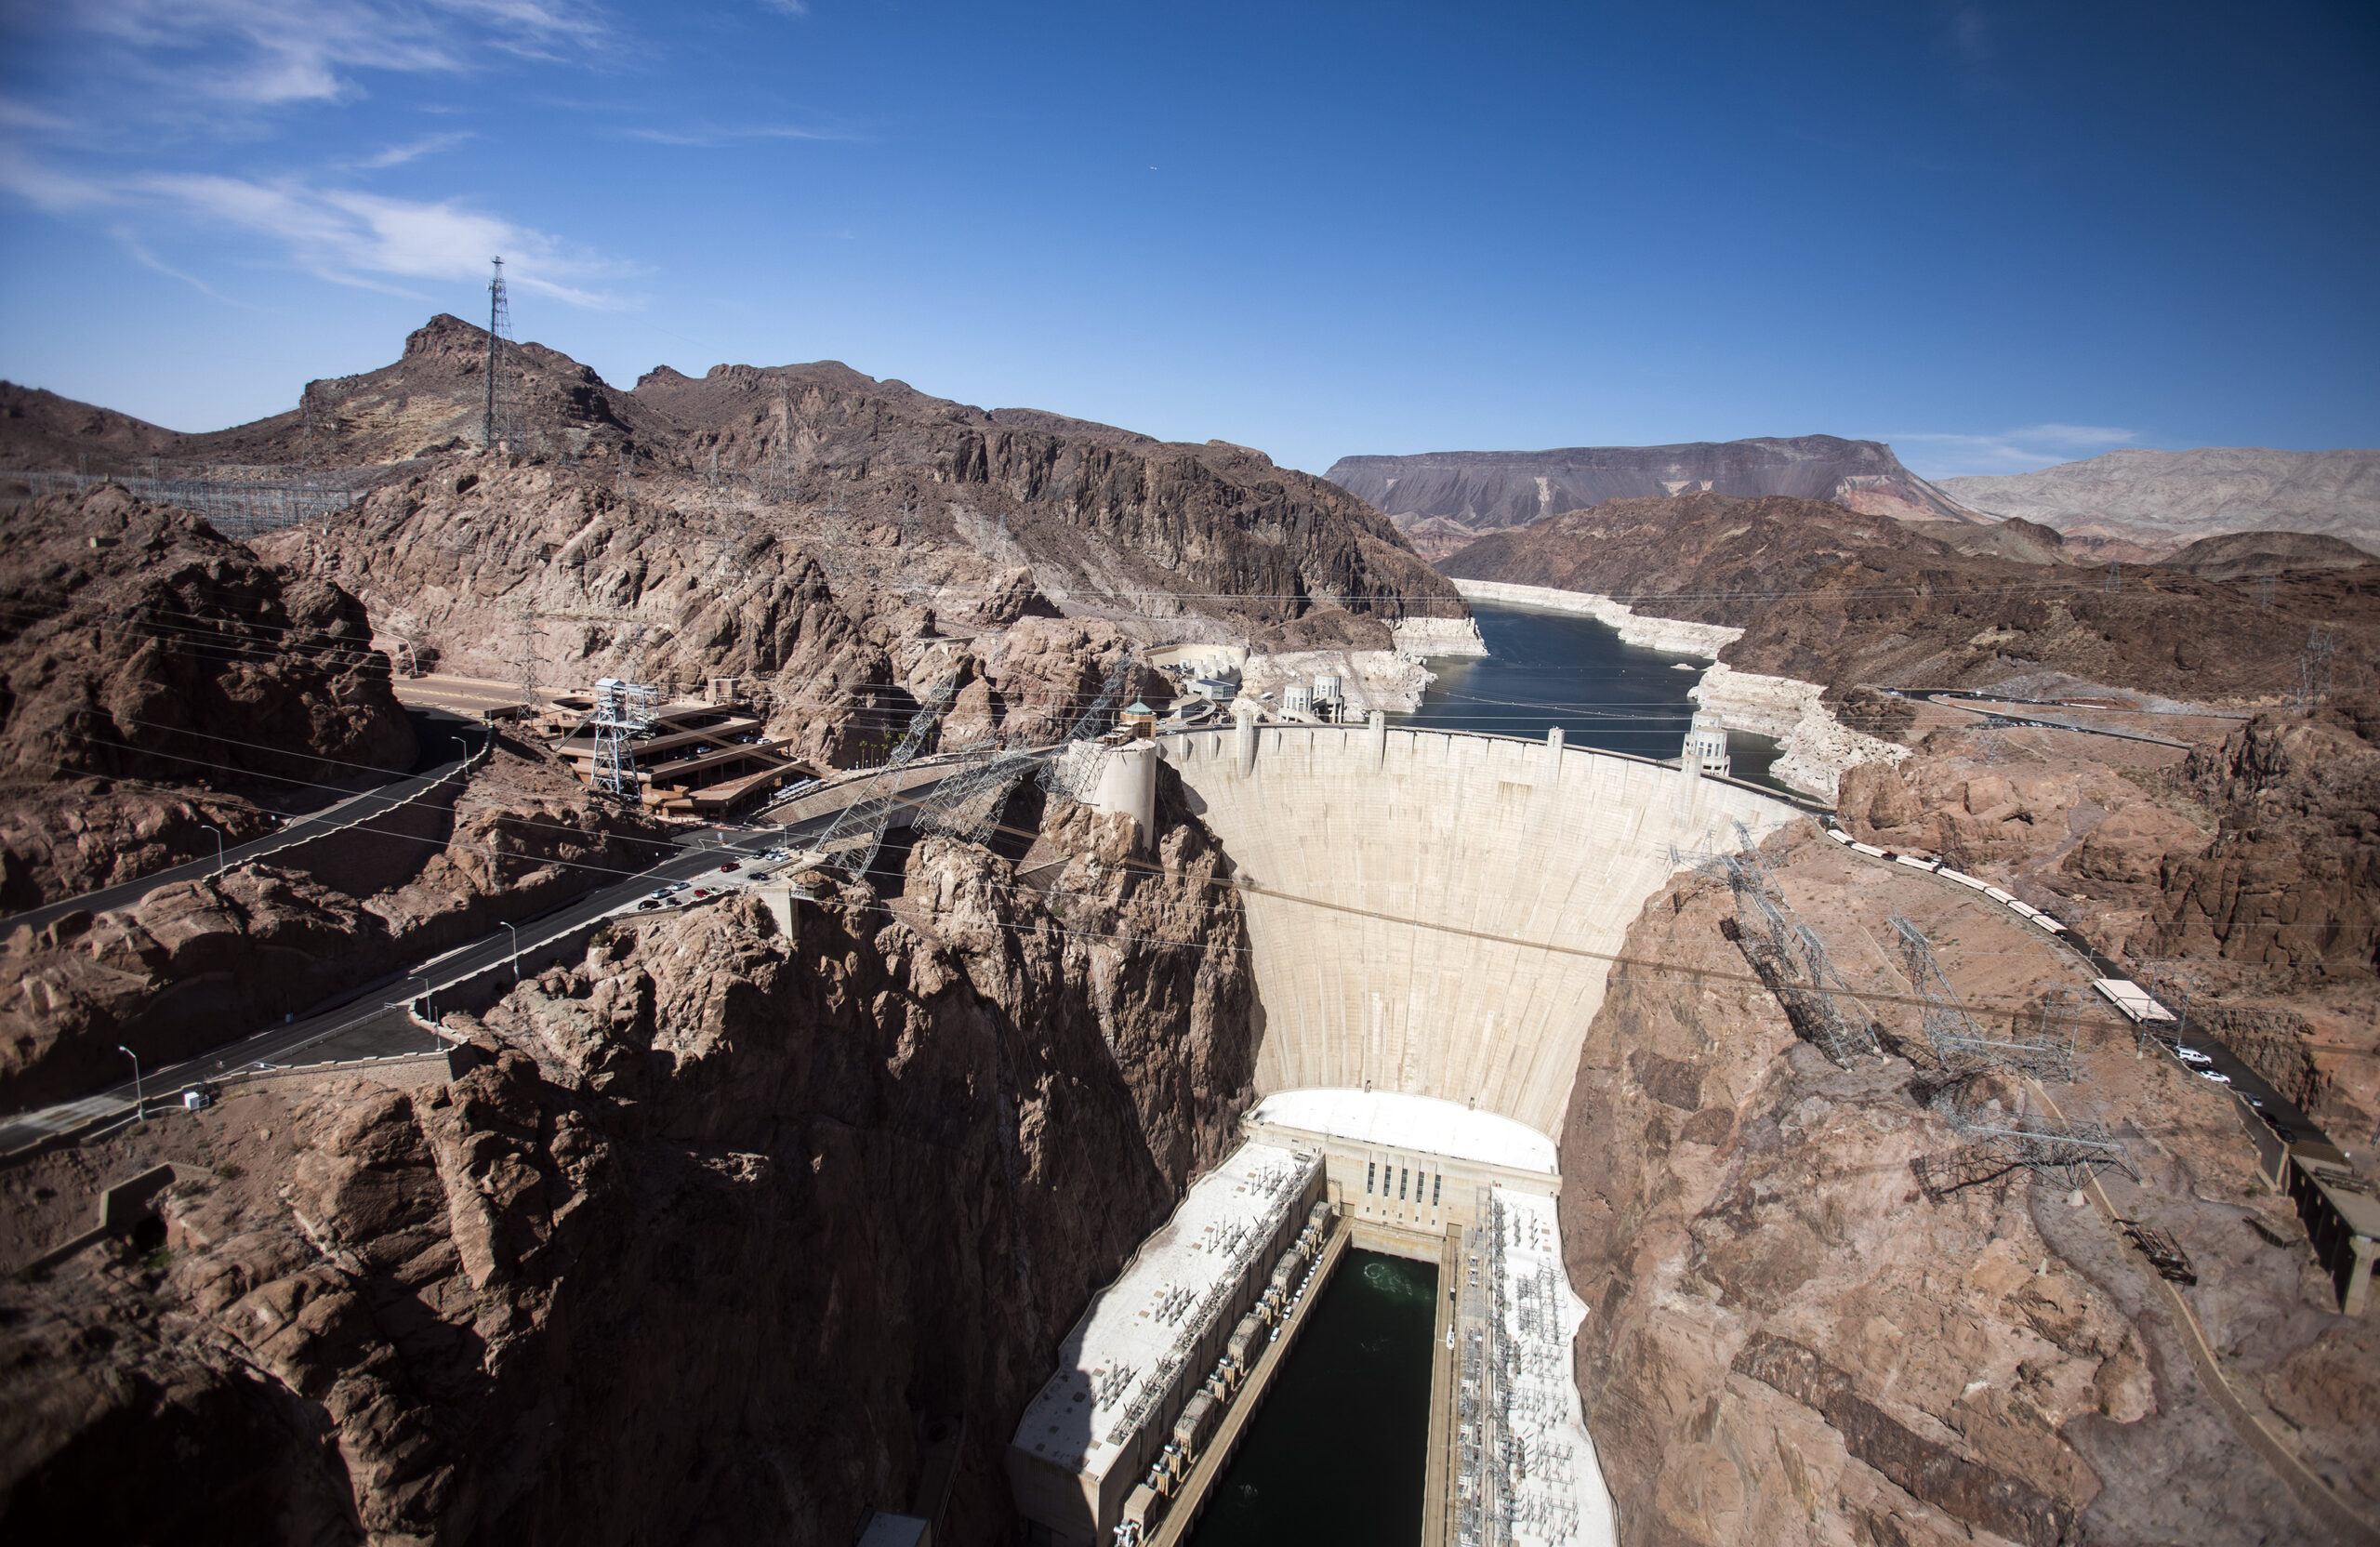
(1391, 871)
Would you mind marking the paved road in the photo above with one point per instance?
(2000, 717)
(373, 1020)
(2242, 1078)
(439, 732)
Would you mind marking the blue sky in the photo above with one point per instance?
(1998, 236)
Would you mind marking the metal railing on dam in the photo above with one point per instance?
(1434, 911)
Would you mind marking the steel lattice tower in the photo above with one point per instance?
(493, 424)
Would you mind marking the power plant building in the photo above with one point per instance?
(1150, 1342)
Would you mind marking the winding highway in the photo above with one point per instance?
(376, 1019)
(442, 730)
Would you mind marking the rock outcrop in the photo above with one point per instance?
(1442, 500)
(1790, 1339)
(196, 963)
(727, 1227)
(2293, 880)
(2245, 555)
(139, 647)
(2158, 500)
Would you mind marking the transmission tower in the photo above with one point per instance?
(2115, 575)
(2264, 594)
(2314, 665)
(1791, 959)
(495, 423)
(524, 666)
(870, 816)
(781, 486)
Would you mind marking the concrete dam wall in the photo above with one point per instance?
(1370, 850)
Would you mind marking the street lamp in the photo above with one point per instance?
(218, 852)
(516, 951)
(139, 1100)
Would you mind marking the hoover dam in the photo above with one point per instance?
(1433, 915)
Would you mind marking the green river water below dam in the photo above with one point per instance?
(1547, 669)
(1338, 1452)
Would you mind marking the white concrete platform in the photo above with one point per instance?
(1391, 1120)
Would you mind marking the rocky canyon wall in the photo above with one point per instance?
(726, 1226)
(1789, 1340)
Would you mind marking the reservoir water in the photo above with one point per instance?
(1338, 1451)
(1549, 669)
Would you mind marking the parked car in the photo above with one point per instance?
(2193, 1057)
(700, 893)
(649, 902)
(728, 869)
(660, 891)
(2218, 1079)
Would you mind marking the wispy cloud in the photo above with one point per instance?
(343, 235)
(699, 136)
(397, 155)
(1936, 453)
(266, 53)
(785, 7)
(147, 259)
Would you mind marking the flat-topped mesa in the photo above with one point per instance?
(1441, 500)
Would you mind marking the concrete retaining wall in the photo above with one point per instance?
(1501, 837)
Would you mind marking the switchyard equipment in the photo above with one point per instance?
(1525, 1469)
(2164, 1253)
(969, 802)
(1791, 959)
(1958, 1046)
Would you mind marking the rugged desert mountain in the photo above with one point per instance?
(2239, 555)
(42, 431)
(1832, 596)
(138, 649)
(842, 543)
(1444, 499)
(2158, 500)
(433, 399)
